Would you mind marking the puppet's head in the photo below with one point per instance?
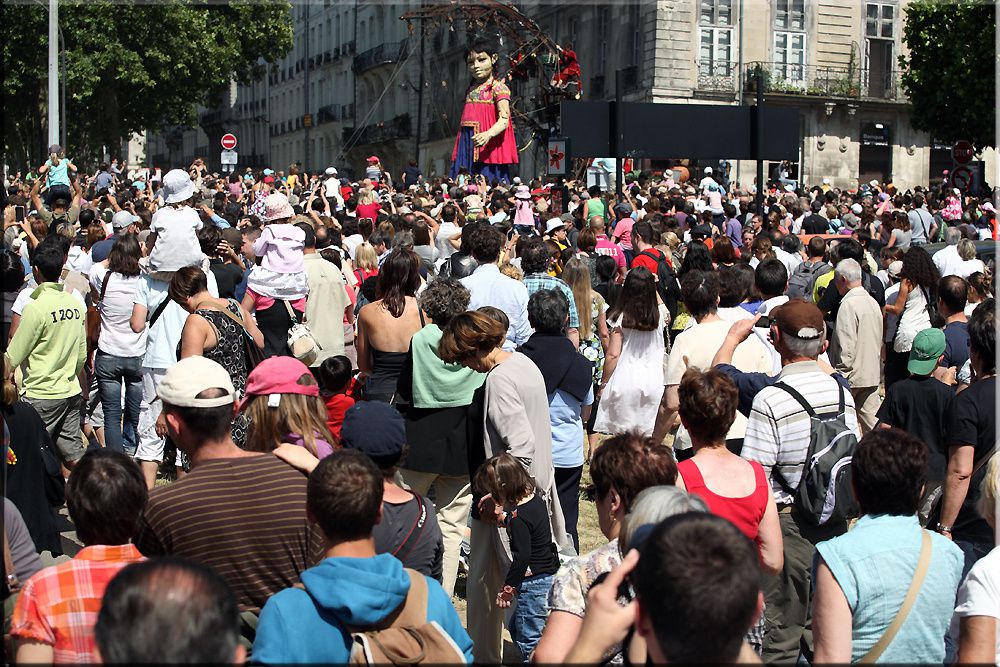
(481, 58)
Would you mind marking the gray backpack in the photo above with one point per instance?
(802, 280)
(824, 494)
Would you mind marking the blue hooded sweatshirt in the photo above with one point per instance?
(303, 626)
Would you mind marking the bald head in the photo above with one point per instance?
(597, 224)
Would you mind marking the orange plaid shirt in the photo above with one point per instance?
(58, 606)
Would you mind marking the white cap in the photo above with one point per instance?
(856, 209)
(331, 171)
(553, 223)
(826, 181)
(177, 186)
(708, 170)
(123, 219)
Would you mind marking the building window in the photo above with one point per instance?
(789, 15)
(715, 20)
(789, 55)
(878, 20)
(636, 34)
(603, 21)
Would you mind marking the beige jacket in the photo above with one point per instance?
(856, 347)
(517, 421)
(325, 305)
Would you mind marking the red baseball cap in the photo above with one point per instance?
(279, 375)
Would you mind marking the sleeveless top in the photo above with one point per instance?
(230, 353)
(745, 513)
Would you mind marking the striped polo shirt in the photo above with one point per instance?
(778, 427)
(243, 517)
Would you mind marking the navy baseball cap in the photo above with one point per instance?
(374, 428)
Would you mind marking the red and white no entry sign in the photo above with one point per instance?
(962, 152)
(961, 178)
(228, 141)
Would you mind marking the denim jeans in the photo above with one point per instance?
(528, 618)
(111, 372)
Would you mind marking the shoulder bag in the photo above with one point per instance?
(301, 341)
(94, 316)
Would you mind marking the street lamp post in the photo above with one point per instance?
(53, 97)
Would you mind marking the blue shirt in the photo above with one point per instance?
(489, 287)
(540, 281)
(874, 563)
(220, 222)
(567, 428)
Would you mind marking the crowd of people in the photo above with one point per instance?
(286, 412)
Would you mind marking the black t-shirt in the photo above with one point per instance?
(919, 406)
(956, 349)
(425, 548)
(972, 420)
(227, 276)
(815, 224)
(530, 542)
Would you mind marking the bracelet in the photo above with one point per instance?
(941, 528)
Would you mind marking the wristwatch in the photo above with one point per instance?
(941, 528)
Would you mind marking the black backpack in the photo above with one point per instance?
(824, 494)
(666, 282)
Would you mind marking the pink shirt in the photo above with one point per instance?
(623, 230)
(606, 247)
(280, 247)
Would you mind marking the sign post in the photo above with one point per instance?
(961, 175)
(556, 157)
(228, 141)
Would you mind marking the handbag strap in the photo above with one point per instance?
(291, 313)
(104, 286)
(911, 597)
(406, 546)
(228, 313)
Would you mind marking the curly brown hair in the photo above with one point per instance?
(628, 463)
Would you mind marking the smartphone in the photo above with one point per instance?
(19, 213)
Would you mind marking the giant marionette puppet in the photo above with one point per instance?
(485, 143)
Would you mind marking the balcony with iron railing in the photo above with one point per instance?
(386, 53)
(810, 80)
(388, 130)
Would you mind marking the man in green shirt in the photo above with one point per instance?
(62, 209)
(51, 343)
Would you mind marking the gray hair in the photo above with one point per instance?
(849, 270)
(443, 299)
(952, 235)
(652, 506)
(403, 240)
(802, 347)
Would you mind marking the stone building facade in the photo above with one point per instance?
(351, 86)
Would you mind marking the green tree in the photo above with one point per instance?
(949, 73)
(131, 66)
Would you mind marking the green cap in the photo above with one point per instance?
(928, 346)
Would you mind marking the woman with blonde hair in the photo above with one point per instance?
(365, 262)
(594, 337)
(283, 404)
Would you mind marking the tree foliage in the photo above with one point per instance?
(131, 65)
(950, 72)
